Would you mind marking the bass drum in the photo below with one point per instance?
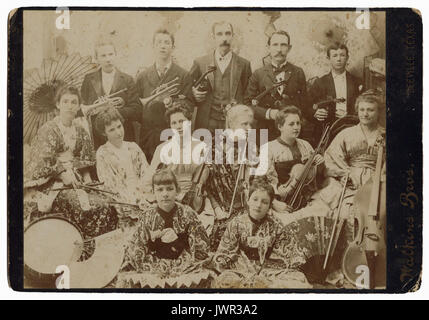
(49, 242)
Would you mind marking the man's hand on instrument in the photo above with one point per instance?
(320, 114)
(167, 94)
(339, 113)
(198, 95)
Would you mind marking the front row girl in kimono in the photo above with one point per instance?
(256, 251)
(58, 170)
(169, 240)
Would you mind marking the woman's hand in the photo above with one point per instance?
(281, 206)
(220, 214)
(321, 114)
(168, 235)
(318, 159)
(284, 190)
(68, 178)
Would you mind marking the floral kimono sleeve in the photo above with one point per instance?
(137, 249)
(43, 162)
(286, 247)
(228, 251)
(335, 157)
(86, 151)
(105, 171)
(198, 240)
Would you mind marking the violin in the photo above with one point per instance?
(329, 105)
(303, 175)
(195, 196)
(257, 99)
(203, 85)
(367, 252)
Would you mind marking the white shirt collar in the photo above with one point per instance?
(341, 75)
(166, 67)
(108, 75)
(280, 66)
(226, 57)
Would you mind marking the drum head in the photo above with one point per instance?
(51, 242)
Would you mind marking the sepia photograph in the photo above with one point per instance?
(204, 149)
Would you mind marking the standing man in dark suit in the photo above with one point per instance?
(164, 70)
(293, 92)
(225, 85)
(105, 81)
(339, 83)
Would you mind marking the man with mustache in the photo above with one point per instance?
(293, 92)
(338, 83)
(223, 86)
(164, 70)
(107, 80)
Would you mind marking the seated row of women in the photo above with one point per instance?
(215, 214)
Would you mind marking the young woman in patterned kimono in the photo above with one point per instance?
(285, 152)
(256, 251)
(352, 151)
(121, 165)
(179, 115)
(168, 243)
(60, 158)
(224, 173)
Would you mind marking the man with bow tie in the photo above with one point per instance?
(163, 71)
(292, 92)
(107, 80)
(226, 84)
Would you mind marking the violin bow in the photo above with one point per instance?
(333, 232)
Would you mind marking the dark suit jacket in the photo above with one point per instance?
(241, 72)
(92, 89)
(324, 87)
(294, 93)
(152, 116)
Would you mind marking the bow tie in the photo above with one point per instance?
(278, 70)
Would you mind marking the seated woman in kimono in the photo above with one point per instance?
(58, 169)
(121, 165)
(227, 159)
(256, 251)
(184, 156)
(168, 243)
(285, 152)
(352, 152)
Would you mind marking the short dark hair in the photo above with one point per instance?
(67, 89)
(372, 96)
(164, 176)
(106, 117)
(283, 113)
(218, 23)
(163, 31)
(282, 33)
(103, 41)
(261, 183)
(179, 105)
(336, 46)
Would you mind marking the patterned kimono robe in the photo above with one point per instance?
(259, 254)
(185, 173)
(221, 185)
(154, 263)
(122, 172)
(46, 163)
(350, 151)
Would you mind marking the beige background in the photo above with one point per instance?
(133, 31)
